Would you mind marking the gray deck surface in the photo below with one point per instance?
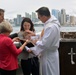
(19, 71)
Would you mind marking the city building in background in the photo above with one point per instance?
(64, 19)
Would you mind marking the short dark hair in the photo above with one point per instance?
(2, 10)
(43, 11)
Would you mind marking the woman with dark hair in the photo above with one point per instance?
(25, 28)
(29, 62)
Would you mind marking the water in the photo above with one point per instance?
(37, 29)
(68, 29)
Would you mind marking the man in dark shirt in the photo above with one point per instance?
(1, 15)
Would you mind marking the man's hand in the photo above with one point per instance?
(28, 49)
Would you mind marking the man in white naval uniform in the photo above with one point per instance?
(48, 45)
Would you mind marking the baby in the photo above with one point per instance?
(24, 35)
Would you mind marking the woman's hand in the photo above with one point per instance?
(16, 39)
(30, 32)
(28, 41)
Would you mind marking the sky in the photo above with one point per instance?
(14, 7)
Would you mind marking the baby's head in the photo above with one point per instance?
(27, 36)
(24, 35)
